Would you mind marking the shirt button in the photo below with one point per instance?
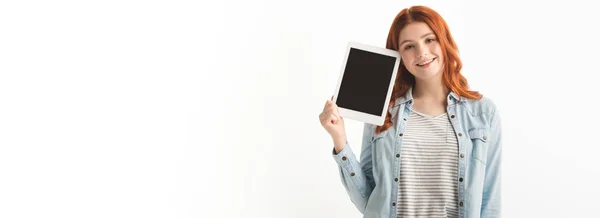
(461, 204)
(396, 179)
(401, 134)
(404, 119)
(397, 155)
(394, 204)
(459, 134)
(462, 155)
(452, 116)
(460, 180)
(484, 138)
(351, 174)
(344, 158)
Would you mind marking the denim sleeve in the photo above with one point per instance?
(490, 206)
(357, 176)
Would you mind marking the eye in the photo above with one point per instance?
(408, 47)
(429, 40)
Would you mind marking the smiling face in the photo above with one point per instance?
(421, 52)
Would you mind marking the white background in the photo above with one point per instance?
(188, 109)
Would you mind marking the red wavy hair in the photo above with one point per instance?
(452, 65)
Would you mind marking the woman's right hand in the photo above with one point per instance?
(334, 124)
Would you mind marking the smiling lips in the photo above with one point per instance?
(426, 63)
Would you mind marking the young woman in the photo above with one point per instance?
(439, 152)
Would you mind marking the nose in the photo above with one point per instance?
(422, 51)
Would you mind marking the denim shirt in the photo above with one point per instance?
(370, 181)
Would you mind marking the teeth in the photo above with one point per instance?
(426, 62)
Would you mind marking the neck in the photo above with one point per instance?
(431, 90)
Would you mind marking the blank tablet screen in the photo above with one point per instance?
(366, 81)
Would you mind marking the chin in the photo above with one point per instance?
(426, 75)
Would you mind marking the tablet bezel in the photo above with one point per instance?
(358, 115)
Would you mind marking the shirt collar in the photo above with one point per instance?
(452, 98)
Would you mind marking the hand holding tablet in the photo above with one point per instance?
(334, 124)
(366, 82)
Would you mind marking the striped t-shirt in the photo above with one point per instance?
(429, 168)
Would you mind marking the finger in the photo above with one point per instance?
(334, 110)
(333, 119)
(324, 117)
(323, 121)
(331, 104)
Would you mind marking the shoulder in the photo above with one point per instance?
(482, 106)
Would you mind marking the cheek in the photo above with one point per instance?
(406, 63)
(435, 48)
(406, 59)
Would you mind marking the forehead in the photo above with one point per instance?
(414, 31)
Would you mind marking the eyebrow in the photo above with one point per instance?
(423, 36)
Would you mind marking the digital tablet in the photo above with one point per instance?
(366, 82)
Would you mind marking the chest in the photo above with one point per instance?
(429, 108)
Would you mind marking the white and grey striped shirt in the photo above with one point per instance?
(429, 168)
